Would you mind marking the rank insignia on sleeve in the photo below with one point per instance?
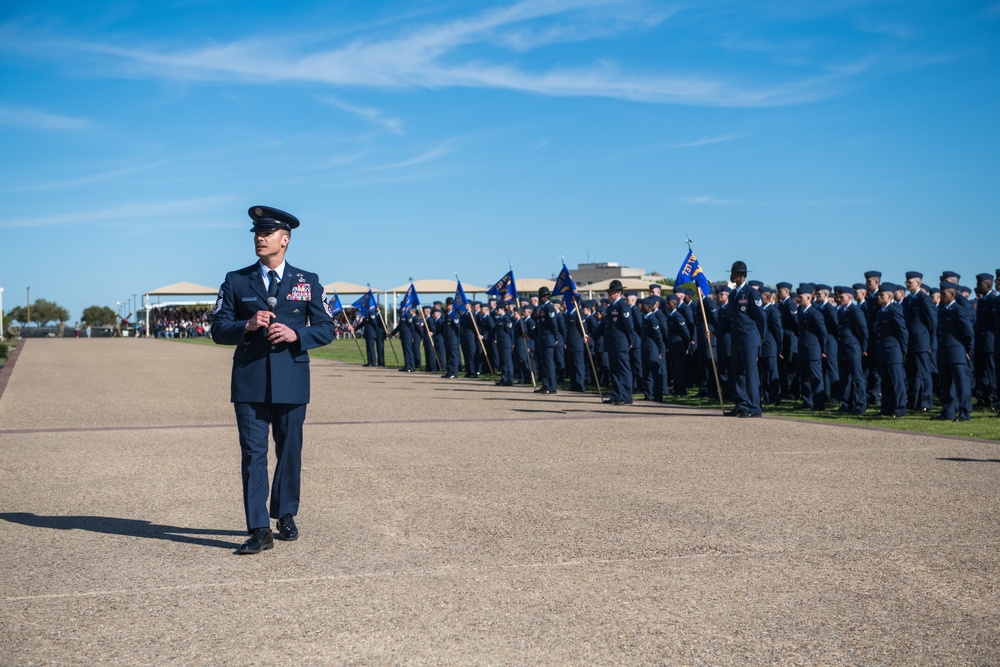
(218, 304)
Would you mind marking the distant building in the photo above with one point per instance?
(586, 274)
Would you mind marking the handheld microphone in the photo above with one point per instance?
(271, 303)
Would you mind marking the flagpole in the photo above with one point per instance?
(708, 337)
(430, 337)
(386, 328)
(351, 328)
(586, 346)
(479, 336)
(527, 352)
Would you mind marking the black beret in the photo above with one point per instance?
(910, 275)
(950, 274)
(805, 288)
(825, 288)
(873, 274)
(784, 285)
(984, 276)
(858, 286)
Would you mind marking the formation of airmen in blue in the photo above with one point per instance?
(866, 347)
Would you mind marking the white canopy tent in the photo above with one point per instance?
(181, 293)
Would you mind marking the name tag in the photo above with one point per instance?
(248, 299)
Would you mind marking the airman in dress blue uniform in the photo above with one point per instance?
(788, 359)
(546, 339)
(891, 345)
(831, 365)
(921, 324)
(654, 351)
(273, 313)
(504, 338)
(767, 360)
(873, 280)
(678, 345)
(452, 329)
(852, 336)
(811, 332)
(746, 326)
(617, 330)
(984, 363)
(955, 341)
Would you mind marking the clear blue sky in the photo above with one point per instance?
(812, 140)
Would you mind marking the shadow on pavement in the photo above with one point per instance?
(963, 460)
(128, 527)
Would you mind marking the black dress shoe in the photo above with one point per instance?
(941, 418)
(286, 528)
(260, 539)
(748, 415)
(547, 391)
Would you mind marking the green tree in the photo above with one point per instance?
(46, 312)
(43, 313)
(98, 316)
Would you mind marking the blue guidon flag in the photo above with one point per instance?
(411, 300)
(367, 304)
(505, 289)
(461, 301)
(567, 288)
(335, 308)
(690, 271)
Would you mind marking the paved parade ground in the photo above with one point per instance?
(454, 522)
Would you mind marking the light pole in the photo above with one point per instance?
(29, 306)
(1, 314)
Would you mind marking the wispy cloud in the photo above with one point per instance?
(431, 155)
(445, 55)
(705, 141)
(369, 115)
(133, 212)
(89, 179)
(40, 120)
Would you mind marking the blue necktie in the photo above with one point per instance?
(272, 285)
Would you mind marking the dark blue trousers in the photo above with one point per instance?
(956, 396)
(621, 376)
(919, 390)
(254, 420)
(547, 366)
(770, 381)
(811, 382)
(746, 380)
(893, 379)
(852, 382)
